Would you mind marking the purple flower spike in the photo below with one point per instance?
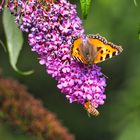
(50, 34)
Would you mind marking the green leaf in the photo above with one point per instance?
(85, 5)
(139, 32)
(14, 40)
(135, 2)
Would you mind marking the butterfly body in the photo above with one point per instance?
(94, 49)
(88, 52)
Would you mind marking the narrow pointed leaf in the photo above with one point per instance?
(139, 32)
(2, 44)
(85, 5)
(14, 40)
(135, 2)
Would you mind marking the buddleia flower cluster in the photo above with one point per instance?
(50, 26)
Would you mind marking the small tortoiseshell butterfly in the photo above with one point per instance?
(93, 50)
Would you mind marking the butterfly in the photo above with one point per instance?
(94, 49)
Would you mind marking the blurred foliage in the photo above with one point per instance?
(135, 2)
(118, 21)
(6, 133)
(139, 32)
(19, 108)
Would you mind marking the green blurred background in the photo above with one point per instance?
(118, 21)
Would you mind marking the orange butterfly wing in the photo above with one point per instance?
(76, 49)
(105, 49)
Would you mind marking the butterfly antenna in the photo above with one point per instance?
(105, 76)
